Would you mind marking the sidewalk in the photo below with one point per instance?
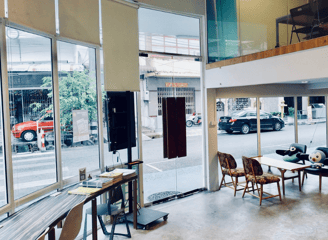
(306, 121)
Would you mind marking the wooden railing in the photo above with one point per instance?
(313, 43)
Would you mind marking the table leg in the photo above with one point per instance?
(299, 180)
(282, 171)
(135, 201)
(94, 218)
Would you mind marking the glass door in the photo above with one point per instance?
(163, 36)
(175, 77)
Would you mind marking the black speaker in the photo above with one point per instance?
(120, 120)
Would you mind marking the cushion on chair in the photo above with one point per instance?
(248, 162)
(223, 157)
(238, 172)
(264, 179)
(292, 158)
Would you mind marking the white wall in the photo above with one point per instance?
(303, 65)
(212, 142)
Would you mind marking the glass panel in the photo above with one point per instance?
(189, 169)
(167, 76)
(277, 125)
(258, 25)
(30, 103)
(3, 194)
(78, 108)
(306, 15)
(166, 32)
(222, 30)
(237, 124)
(312, 122)
(243, 27)
(166, 177)
(159, 174)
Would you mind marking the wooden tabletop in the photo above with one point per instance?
(280, 164)
(30, 222)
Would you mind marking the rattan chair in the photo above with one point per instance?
(255, 175)
(229, 167)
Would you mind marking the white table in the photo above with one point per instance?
(283, 166)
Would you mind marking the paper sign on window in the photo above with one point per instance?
(80, 125)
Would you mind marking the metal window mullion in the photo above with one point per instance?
(258, 120)
(6, 134)
(203, 53)
(326, 98)
(100, 112)
(56, 109)
(141, 186)
(295, 120)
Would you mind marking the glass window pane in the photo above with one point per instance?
(30, 103)
(167, 177)
(277, 125)
(311, 119)
(166, 32)
(237, 124)
(3, 188)
(78, 108)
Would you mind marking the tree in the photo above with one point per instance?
(77, 91)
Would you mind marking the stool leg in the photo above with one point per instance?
(261, 194)
(85, 227)
(113, 228)
(127, 227)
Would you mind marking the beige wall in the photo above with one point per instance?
(258, 23)
(2, 9)
(185, 6)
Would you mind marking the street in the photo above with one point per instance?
(33, 171)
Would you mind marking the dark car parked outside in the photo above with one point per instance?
(245, 122)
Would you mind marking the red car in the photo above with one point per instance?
(28, 130)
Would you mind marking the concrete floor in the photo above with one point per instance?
(219, 215)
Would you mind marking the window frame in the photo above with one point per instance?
(12, 204)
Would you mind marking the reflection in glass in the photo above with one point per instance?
(78, 108)
(30, 102)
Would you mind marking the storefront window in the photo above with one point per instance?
(31, 116)
(312, 122)
(78, 108)
(237, 124)
(277, 125)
